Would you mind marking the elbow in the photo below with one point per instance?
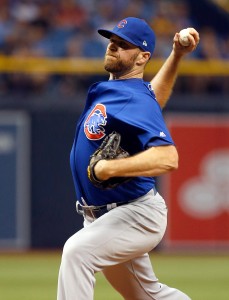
(173, 166)
(173, 162)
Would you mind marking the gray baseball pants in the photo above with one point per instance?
(117, 244)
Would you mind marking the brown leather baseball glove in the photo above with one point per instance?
(109, 149)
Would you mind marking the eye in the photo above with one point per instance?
(123, 45)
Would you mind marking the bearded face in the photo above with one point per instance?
(113, 63)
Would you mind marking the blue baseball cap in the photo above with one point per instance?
(135, 31)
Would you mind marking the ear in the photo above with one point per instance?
(142, 58)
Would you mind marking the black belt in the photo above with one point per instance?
(97, 211)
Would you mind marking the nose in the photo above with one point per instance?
(112, 46)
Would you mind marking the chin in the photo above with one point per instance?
(109, 67)
(112, 66)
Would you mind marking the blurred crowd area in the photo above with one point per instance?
(68, 28)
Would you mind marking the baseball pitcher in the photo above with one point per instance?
(121, 145)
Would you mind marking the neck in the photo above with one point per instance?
(131, 74)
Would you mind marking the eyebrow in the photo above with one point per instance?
(120, 40)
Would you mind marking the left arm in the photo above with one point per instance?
(154, 161)
(164, 80)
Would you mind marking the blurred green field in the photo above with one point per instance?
(33, 276)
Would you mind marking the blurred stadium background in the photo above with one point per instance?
(49, 55)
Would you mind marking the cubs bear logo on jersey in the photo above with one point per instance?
(95, 122)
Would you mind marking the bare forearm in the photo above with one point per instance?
(164, 80)
(152, 162)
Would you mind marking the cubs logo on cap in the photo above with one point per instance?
(122, 23)
(135, 31)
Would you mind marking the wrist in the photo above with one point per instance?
(177, 55)
(100, 170)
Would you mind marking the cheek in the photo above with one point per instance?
(128, 60)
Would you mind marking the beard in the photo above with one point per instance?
(116, 66)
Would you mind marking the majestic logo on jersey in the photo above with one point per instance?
(93, 126)
(162, 134)
(122, 23)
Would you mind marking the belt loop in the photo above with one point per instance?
(88, 207)
(111, 206)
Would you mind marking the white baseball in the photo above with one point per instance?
(183, 39)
